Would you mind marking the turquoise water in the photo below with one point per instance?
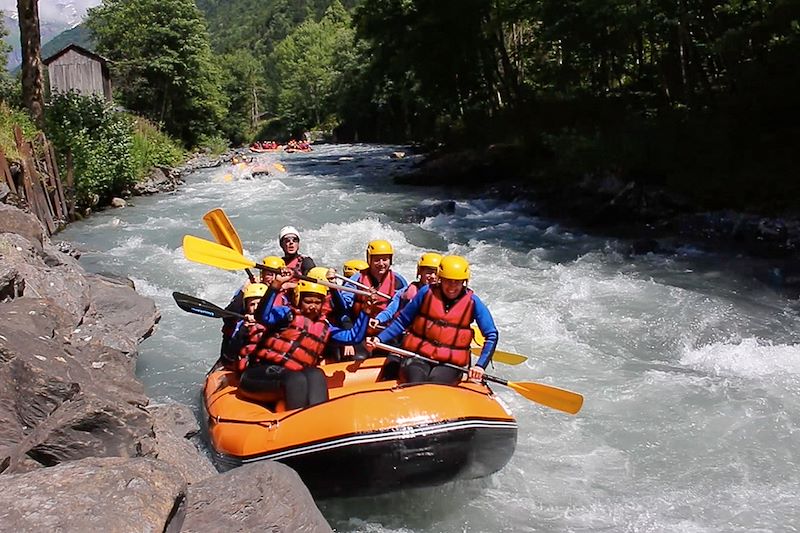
(689, 366)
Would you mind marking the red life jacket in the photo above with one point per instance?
(295, 264)
(253, 336)
(411, 292)
(327, 306)
(442, 335)
(387, 286)
(282, 300)
(299, 345)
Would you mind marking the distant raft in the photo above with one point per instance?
(371, 437)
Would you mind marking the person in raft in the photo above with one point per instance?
(230, 354)
(427, 274)
(289, 241)
(354, 266)
(438, 322)
(336, 311)
(379, 276)
(251, 295)
(285, 359)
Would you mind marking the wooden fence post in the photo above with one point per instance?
(70, 192)
(50, 153)
(7, 172)
(34, 188)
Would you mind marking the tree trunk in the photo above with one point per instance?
(32, 77)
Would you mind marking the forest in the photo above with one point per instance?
(695, 96)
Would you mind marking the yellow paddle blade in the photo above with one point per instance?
(478, 336)
(221, 228)
(280, 167)
(210, 253)
(508, 357)
(500, 356)
(563, 400)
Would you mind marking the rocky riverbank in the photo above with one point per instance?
(81, 447)
(649, 218)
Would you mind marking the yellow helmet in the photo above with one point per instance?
(273, 261)
(454, 267)
(255, 290)
(320, 273)
(430, 259)
(307, 287)
(379, 247)
(354, 265)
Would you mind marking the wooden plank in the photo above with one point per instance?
(33, 184)
(48, 176)
(51, 154)
(70, 191)
(4, 168)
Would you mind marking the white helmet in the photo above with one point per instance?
(288, 230)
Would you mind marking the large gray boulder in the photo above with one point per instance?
(175, 426)
(264, 496)
(61, 402)
(43, 272)
(108, 494)
(117, 316)
(16, 221)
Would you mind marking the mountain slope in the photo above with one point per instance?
(79, 35)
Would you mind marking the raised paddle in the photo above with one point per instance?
(357, 284)
(560, 399)
(210, 253)
(199, 306)
(499, 355)
(224, 233)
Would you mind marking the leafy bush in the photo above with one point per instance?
(213, 144)
(151, 148)
(100, 140)
(110, 150)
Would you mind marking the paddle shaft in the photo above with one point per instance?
(202, 307)
(400, 351)
(318, 281)
(357, 284)
(560, 399)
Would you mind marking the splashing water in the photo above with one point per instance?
(690, 368)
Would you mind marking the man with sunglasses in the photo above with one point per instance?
(289, 240)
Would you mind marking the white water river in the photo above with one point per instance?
(690, 367)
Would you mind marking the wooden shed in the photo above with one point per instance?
(74, 68)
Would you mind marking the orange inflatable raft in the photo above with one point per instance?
(371, 437)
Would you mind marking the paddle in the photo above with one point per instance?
(199, 306)
(499, 355)
(280, 167)
(559, 399)
(357, 284)
(210, 253)
(224, 233)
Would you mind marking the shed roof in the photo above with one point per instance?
(79, 49)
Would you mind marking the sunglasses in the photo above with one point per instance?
(291, 239)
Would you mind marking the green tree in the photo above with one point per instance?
(162, 63)
(6, 82)
(308, 68)
(243, 83)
